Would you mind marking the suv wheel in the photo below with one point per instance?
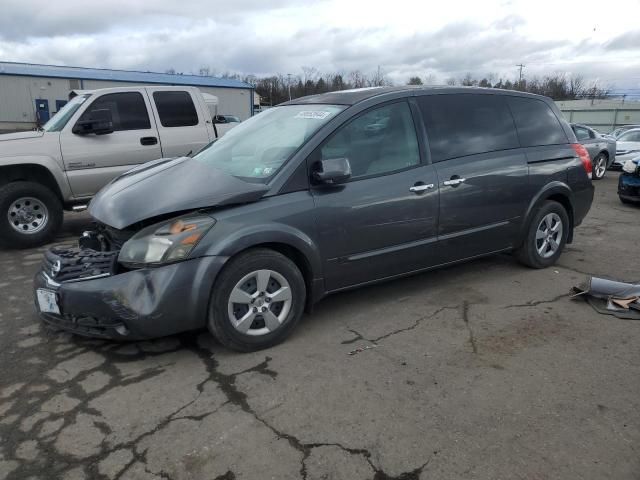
(30, 215)
(599, 166)
(546, 236)
(257, 301)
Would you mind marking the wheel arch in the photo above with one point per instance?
(290, 242)
(40, 170)
(558, 192)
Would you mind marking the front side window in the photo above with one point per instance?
(258, 147)
(175, 109)
(128, 110)
(379, 141)
(536, 123)
(467, 124)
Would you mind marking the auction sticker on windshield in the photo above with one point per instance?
(317, 115)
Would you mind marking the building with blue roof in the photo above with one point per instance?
(30, 91)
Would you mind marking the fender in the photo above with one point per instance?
(555, 188)
(50, 163)
(231, 243)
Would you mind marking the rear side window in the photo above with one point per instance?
(176, 109)
(128, 110)
(466, 124)
(581, 133)
(536, 122)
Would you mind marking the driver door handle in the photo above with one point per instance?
(454, 182)
(421, 188)
(148, 141)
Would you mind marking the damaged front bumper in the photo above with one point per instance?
(98, 301)
(629, 187)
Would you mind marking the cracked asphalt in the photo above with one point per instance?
(483, 371)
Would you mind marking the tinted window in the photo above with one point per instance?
(459, 125)
(379, 141)
(536, 122)
(581, 133)
(176, 109)
(128, 110)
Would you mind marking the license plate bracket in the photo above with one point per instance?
(47, 301)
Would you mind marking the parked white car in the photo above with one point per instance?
(628, 147)
(94, 138)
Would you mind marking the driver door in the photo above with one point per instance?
(92, 161)
(383, 221)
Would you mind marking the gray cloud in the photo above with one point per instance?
(626, 41)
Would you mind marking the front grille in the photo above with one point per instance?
(65, 264)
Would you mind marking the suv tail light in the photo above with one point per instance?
(584, 156)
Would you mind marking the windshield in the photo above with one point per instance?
(60, 119)
(258, 147)
(630, 136)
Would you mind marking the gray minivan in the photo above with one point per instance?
(320, 194)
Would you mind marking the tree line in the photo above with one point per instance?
(278, 88)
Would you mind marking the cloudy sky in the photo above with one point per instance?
(597, 39)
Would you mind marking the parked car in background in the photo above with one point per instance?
(94, 138)
(318, 195)
(620, 130)
(629, 182)
(628, 147)
(602, 150)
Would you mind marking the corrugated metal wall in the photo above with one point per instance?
(604, 120)
(18, 95)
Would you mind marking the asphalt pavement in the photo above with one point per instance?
(485, 370)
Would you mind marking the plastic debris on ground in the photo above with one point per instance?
(362, 349)
(611, 297)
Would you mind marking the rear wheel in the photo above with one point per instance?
(599, 166)
(30, 215)
(257, 300)
(546, 236)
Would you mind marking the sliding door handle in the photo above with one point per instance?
(421, 188)
(454, 182)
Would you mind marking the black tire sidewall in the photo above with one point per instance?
(9, 237)
(218, 320)
(548, 207)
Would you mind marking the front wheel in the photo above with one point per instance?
(599, 166)
(257, 300)
(546, 236)
(30, 215)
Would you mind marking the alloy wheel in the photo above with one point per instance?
(549, 235)
(259, 303)
(600, 166)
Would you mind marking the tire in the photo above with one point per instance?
(240, 277)
(529, 253)
(28, 201)
(599, 166)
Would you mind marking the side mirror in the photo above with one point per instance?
(219, 119)
(99, 122)
(332, 171)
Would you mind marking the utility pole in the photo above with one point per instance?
(520, 81)
(289, 84)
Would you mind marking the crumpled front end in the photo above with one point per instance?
(88, 292)
(629, 181)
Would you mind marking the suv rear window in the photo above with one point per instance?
(176, 109)
(466, 124)
(536, 122)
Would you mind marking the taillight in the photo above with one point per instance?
(584, 156)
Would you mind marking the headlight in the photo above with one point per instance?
(166, 242)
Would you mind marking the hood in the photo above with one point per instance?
(20, 135)
(166, 186)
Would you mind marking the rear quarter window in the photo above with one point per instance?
(536, 123)
(467, 124)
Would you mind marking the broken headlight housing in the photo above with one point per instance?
(631, 166)
(165, 242)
